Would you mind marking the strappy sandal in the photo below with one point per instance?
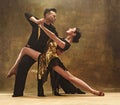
(10, 74)
(101, 93)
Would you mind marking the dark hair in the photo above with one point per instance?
(78, 35)
(47, 10)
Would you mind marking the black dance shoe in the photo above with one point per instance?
(80, 91)
(56, 93)
(17, 95)
(41, 93)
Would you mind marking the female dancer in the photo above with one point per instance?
(58, 46)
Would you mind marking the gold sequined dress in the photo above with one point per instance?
(50, 58)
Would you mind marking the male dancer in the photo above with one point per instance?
(37, 43)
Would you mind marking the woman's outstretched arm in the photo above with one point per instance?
(53, 36)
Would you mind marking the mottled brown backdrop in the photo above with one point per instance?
(95, 59)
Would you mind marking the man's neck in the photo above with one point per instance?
(47, 22)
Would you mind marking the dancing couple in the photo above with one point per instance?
(48, 59)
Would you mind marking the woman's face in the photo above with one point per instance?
(71, 31)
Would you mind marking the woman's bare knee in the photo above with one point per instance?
(24, 50)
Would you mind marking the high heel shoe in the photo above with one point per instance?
(11, 73)
(101, 93)
(56, 93)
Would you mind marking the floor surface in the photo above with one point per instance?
(112, 98)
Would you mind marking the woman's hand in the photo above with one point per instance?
(41, 21)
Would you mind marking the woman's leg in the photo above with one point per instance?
(24, 51)
(80, 83)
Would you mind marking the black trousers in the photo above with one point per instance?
(21, 76)
(58, 81)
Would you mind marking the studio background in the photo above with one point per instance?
(95, 59)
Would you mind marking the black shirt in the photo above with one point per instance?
(40, 43)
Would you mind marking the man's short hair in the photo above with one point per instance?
(47, 10)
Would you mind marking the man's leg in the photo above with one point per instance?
(40, 87)
(68, 87)
(21, 75)
(55, 78)
(41, 79)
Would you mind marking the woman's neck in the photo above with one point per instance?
(69, 39)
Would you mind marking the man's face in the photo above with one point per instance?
(51, 17)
